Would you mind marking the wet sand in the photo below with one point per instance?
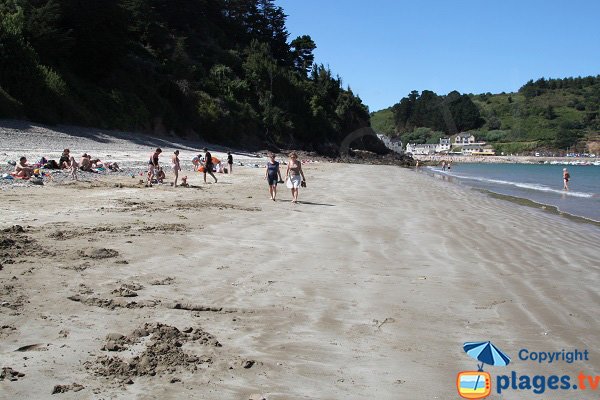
(367, 289)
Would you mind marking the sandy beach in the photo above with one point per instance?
(367, 289)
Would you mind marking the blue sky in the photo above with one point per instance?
(383, 49)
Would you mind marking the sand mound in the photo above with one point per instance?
(162, 354)
(98, 254)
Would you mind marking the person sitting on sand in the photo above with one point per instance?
(64, 159)
(176, 166)
(160, 176)
(153, 165)
(114, 167)
(292, 176)
(566, 177)
(272, 175)
(85, 164)
(208, 165)
(22, 169)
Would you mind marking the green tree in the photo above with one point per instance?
(302, 54)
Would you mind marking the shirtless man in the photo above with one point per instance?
(22, 169)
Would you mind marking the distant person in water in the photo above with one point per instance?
(443, 165)
(566, 177)
(176, 166)
(272, 175)
(417, 164)
(230, 161)
(153, 165)
(449, 164)
(208, 165)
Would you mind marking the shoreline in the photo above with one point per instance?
(507, 159)
(524, 201)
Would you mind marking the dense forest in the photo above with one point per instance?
(221, 70)
(547, 114)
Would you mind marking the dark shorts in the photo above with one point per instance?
(272, 180)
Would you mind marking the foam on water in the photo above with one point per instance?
(523, 185)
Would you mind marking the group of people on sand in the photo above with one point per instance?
(294, 175)
(67, 162)
(86, 163)
(201, 163)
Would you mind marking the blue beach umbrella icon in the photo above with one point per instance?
(487, 353)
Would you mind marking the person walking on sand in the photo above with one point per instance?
(230, 161)
(176, 166)
(153, 165)
(272, 175)
(292, 176)
(566, 177)
(208, 165)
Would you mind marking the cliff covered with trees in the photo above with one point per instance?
(221, 70)
(547, 114)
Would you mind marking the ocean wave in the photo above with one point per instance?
(523, 185)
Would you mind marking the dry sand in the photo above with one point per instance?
(366, 290)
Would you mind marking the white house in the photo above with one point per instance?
(469, 149)
(462, 139)
(443, 146)
(427, 149)
(421, 149)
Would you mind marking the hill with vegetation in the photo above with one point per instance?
(550, 115)
(222, 70)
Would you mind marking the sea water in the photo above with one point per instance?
(541, 183)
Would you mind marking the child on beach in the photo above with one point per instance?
(160, 176)
(73, 165)
(176, 166)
